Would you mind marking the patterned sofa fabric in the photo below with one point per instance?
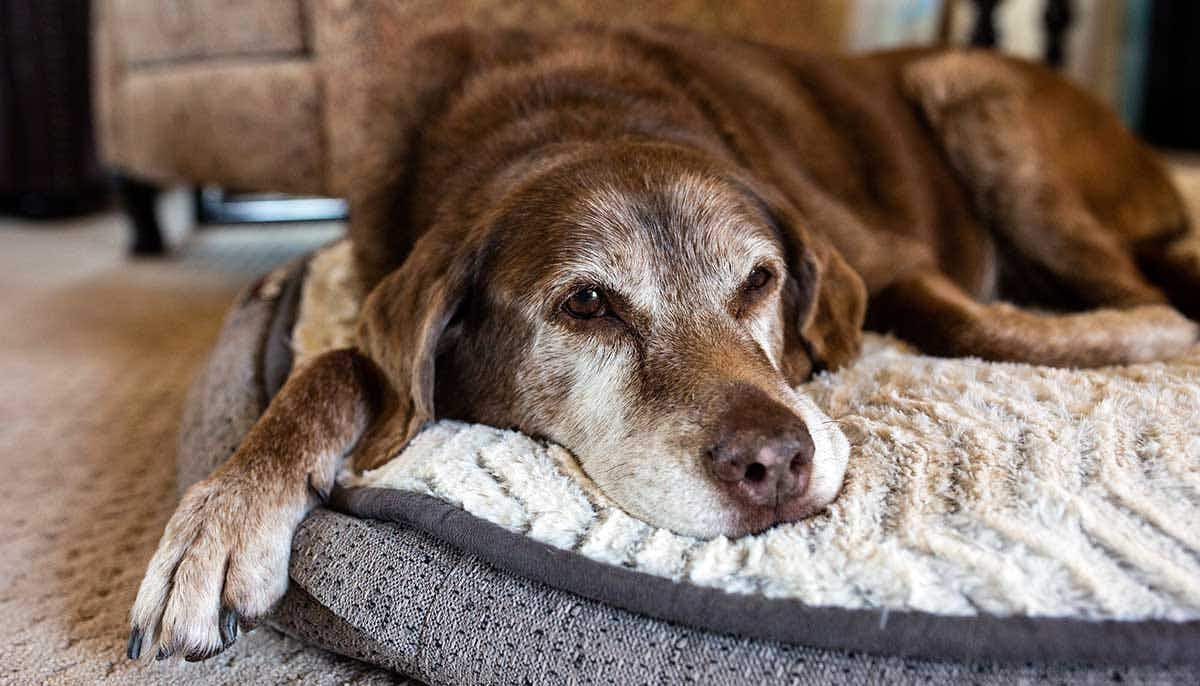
(157, 31)
(210, 91)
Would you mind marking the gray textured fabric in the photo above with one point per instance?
(785, 620)
(227, 396)
(245, 368)
(409, 602)
(394, 596)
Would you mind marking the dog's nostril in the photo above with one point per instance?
(799, 462)
(800, 471)
(756, 473)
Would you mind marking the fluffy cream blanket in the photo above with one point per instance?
(972, 487)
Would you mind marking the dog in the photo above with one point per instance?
(637, 242)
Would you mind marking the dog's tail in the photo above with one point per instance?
(942, 319)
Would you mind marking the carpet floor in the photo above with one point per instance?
(96, 352)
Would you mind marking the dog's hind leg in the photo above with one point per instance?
(939, 317)
(1173, 263)
(1035, 191)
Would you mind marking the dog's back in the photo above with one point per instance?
(847, 141)
(821, 129)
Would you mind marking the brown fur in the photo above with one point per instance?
(904, 166)
(509, 166)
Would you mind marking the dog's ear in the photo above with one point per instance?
(825, 300)
(401, 329)
(832, 326)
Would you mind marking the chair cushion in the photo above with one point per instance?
(243, 125)
(155, 31)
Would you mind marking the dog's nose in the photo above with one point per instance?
(763, 453)
(765, 470)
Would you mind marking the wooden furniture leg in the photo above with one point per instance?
(139, 199)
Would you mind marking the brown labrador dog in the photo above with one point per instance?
(636, 242)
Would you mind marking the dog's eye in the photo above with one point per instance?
(758, 278)
(586, 303)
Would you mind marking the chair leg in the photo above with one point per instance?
(1057, 19)
(984, 34)
(140, 199)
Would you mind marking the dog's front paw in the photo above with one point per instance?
(220, 565)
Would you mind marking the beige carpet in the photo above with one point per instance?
(95, 354)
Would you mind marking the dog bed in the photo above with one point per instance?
(998, 523)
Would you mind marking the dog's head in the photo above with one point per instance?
(647, 309)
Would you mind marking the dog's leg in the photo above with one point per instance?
(223, 559)
(980, 112)
(942, 319)
(1174, 264)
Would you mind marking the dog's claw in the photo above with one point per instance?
(163, 653)
(229, 626)
(134, 648)
(247, 624)
(322, 494)
(200, 657)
